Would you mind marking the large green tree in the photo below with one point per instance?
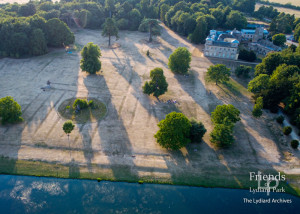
(173, 131)
(110, 29)
(90, 58)
(150, 25)
(225, 113)
(58, 33)
(158, 84)
(218, 73)
(38, 43)
(10, 110)
(235, 19)
(279, 39)
(179, 60)
(222, 135)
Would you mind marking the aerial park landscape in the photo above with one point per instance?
(124, 91)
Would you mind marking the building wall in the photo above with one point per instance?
(220, 52)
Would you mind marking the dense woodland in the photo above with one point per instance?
(43, 24)
(277, 81)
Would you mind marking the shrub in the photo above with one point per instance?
(294, 144)
(173, 131)
(82, 103)
(10, 110)
(287, 130)
(197, 131)
(67, 107)
(243, 71)
(148, 53)
(280, 119)
(91, 104)
(257, 112)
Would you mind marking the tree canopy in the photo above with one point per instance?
(110, 29)
(218, 73)
(173, 131)
(225, 113)
(179, 60)
(279, 39)
(10, 110)
(90, 58)
(158, 84)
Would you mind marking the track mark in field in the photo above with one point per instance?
(50, 110)
(24, 110)
(121, 106)
(134, 111)
(40, 106)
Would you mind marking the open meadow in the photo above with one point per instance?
(121, 146)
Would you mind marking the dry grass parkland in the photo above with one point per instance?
(121, 145)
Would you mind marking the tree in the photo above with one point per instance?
(90, 58)
(218, 73)
(279, 39)
(287, 130)
(164, 8)
(179, 60)
(257, 112)
(10, 110)
(27, 9)
(58, 33)
(297, 33)
(269, 64)
(110, 29)
(249, 56)
(222, 135)
(152, 26)
(225, 114)
(236, 20)
(173, 131)
(243, 71)
(199, 34)
(259, 83)
(38, 43)
(68, 127)
(110, 6)
(158, 84)
(197, 131)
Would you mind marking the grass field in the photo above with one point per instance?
(293, 2)
(121, 146)
(281, 9)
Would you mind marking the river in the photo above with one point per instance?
(25, 194)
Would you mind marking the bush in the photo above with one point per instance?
(257, 112)
(280, 119)
(294, 144)
(287, 130)
(82, 103)
(173, 131)
(10, 110)
(243, 71)
(91, 104)
(197, 131)
(179, 60)
(148, 53)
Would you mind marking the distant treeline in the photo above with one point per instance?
(287, 5)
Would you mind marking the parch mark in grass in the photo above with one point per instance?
(92, 113)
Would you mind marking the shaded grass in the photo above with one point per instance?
(85, 115)
(235, 88)
(237, 178)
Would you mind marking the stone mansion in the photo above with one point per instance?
(225, 45)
